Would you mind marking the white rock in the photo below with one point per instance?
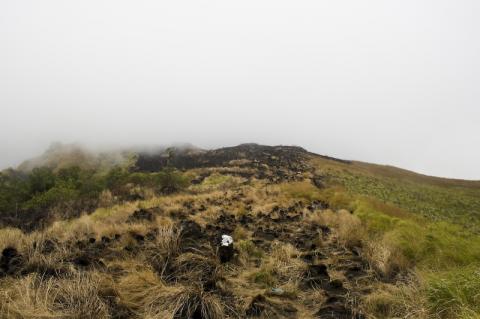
(227, 240)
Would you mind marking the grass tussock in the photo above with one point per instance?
(36, 297)
(348, 227)
(281, 267)
(455, 294)
(405, 300)
(152, 298)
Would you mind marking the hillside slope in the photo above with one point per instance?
(313, 237)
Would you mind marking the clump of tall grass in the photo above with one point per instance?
(150, 297)
(36, 297)
(456, 293)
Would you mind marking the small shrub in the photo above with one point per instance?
(264, 277)
(248, 248)
(240, 233)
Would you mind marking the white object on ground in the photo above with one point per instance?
(227, 240)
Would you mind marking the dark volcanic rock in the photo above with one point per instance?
(86, 261)
(192, 236)
(316, 204)
(11, 261)
(260, 306)
(191, 230)
(256, 306)
(141, 214)
(318, 181)
(316, 276)
(285, 162)
(336, 309)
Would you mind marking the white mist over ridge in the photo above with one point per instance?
(384, 82)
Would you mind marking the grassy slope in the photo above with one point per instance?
(419, 234)
(456, 201)
(424, 224)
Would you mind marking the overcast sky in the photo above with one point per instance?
(390, 82)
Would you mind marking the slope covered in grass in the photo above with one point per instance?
(456, 201)
(314, 237)
(423, 226)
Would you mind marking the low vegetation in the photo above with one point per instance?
(36, 198)
(337, 240)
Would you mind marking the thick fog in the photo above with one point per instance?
(391, 82)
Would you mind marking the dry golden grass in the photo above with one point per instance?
(387, 261)
(68, 230)
(43, 263)
(78, 297)
(12, 237)
(209, 216)
(106, 199)
(153, 277)
(240, 233)
(36, 297)
(168, 239)
(285, 260)
(348, 227)
(163, 249)
(404, 300)
(30, 297)
(281, 267)
(150, 297)
(198, 269)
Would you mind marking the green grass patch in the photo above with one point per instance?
(249, 248)
(429, 245)
(456, 293)
(456, 204)
(264, 277)
(216, 179)
(336, 197)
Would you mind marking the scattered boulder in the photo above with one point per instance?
(11, 261)
(316, 276)
(260, 306)
(317, 180)
(138, 237)
(354, 271)
(151, 235)
(336, 286)
(82, 261)
(317, 205)
(334, 311)
(266, 234)
(192, 236)
(277, 291)
(246, 219)
(335, 308)
(191, 231)
(257, 306)
(46, 247)
(140, 215)
(86, 261)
